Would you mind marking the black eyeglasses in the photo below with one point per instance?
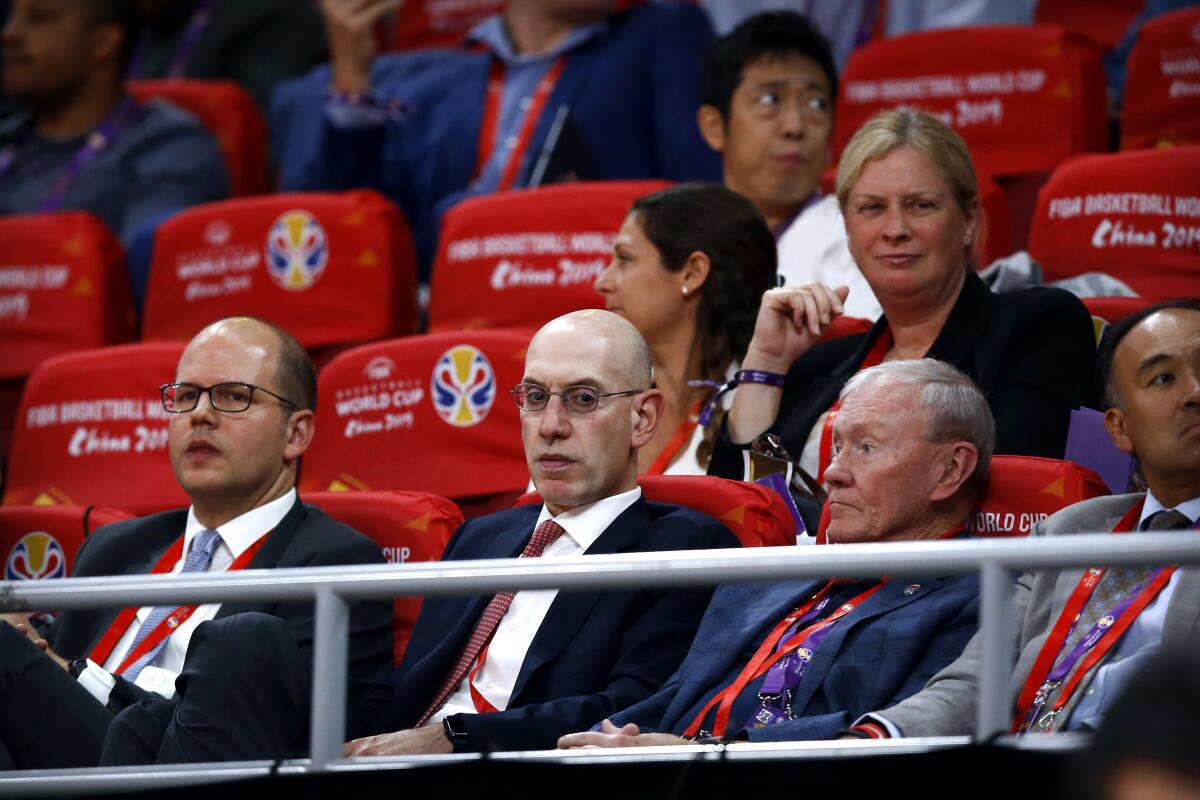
(180, 398)
(577, 399)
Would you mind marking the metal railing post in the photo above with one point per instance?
(330, 643)
(996, 649)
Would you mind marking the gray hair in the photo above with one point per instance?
(955, 409)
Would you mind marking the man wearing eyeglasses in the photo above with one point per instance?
(515, 671)
(214, 681)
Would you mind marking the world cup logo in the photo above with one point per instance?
(37, 556)
(297, 250)
(464, 386)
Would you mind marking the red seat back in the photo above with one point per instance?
(1022, 491)
(328, 268)
(229, 113)
(91, 429)
(1102, 21)
(1162, 94)
(757, 515)
(428, 413)
(39, 542)
(408, 527)
(520, 259)
(63, 287)
(437, 23)
(994, 85)
(1134, 215)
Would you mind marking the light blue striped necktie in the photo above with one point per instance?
(198, 560)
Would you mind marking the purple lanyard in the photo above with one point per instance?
(1063, 668)
(94, 144)
(195, 29)
(784, 676)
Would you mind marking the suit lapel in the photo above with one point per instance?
(276, 551)
(969, 320)
(738, 620)
(896, 594)
(570, 609)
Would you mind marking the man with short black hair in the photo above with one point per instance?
(198, 683)
(768, 90)
(1069, 671)
(82, 143)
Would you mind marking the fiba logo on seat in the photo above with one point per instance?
(464, 386)
(37, 556)
(297, 250)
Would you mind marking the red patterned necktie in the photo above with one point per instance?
(545, 533)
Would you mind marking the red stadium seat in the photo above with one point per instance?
(757, 515)
(39, 542)
(437, 23)
(331, 268)
(994, 85)
(92, 430)
(1102, 21)
(1134, 215)
(408, 526)
(63, 287)
(229, 113)
(1023, 98)
(1022, 491)
(1162, 94)
(520, 259)
(424, 413)
(1107, 310)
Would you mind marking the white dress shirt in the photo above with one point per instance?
(497, 677)
(237, 536)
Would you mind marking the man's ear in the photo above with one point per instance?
(646, 416)
(1114, 421)
(300, 429)
(107, 39)
(712, 127)
(956, 468)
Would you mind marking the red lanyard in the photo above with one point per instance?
(481, 703)
(108, 642)
(491, 120)
(766, 656)
(1066, 622)
(874, 358)
(679, 439)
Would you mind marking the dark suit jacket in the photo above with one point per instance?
(632, 92)
(594, 653)
(1031, 352)
(877, 655)
(305, 537)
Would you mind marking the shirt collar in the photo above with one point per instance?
(585, 523)
(492, 34)
(1189, 508)
(241, 532)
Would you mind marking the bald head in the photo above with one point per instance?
(294, 373)
(627, 350)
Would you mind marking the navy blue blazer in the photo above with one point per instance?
(874, 657)
(632, 92)
(595, 652)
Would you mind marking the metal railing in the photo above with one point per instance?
(998, 561)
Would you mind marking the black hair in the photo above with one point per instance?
(1117, 331)
(772, 34)
(1152, 721)
(730, 230)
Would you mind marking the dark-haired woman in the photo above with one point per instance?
(690, 264)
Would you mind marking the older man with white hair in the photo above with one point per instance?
(802, 660)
